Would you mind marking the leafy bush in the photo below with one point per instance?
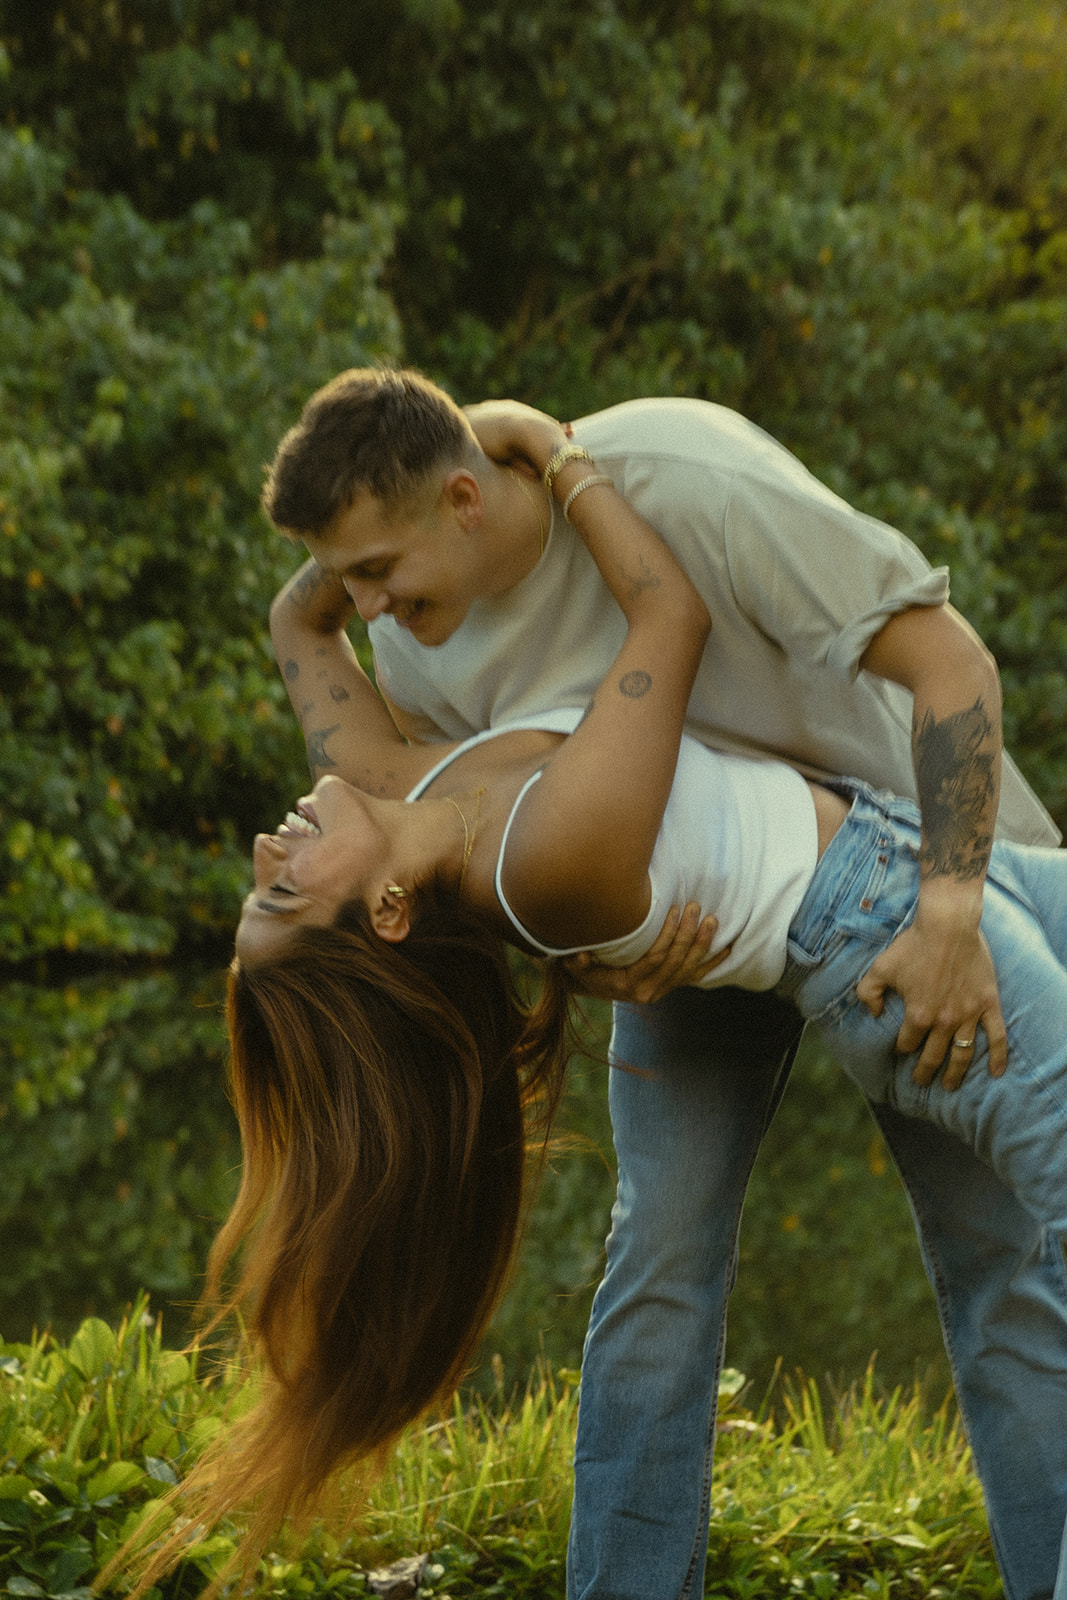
(118, 1151)
(146, 370)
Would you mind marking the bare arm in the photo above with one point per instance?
(347, 726)
(415, 727)
(941, 965)
(515, 434)
(577, 862)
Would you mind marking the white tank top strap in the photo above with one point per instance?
(560, 719)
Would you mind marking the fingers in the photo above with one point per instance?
(960, 1056)
(718, 958)
(870, 991)
(936, 1048)
(997, 1038)
(663, 940)
(678, 955)
(958, 1053)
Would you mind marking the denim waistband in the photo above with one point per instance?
(876, 822)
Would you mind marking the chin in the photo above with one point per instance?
(438, 629)
(431, 632)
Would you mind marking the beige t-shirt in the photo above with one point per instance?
(797, 583)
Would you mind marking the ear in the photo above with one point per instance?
(391, 917)
(462, 493)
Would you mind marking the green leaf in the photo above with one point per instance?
(92, 1349)
(114, 1480)
(160, 1470)
(14, 1487)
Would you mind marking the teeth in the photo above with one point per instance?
(295, 823)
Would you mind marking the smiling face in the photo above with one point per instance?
(332, 849)
(422, 565)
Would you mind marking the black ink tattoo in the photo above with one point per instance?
(955, 770)
(307, 583)
(645, 579)
(338, 692)
(635, 684)
(316, 743)
(292, 671)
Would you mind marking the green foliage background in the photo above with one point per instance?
(847, 219)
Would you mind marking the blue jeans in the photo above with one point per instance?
(686, 1137)
(864, 892)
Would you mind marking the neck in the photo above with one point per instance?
(435, 842)
(518, 516)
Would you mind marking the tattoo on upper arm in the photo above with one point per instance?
(338, 693)
(291, 670)
(955, 770)
(635, 684)
(316, 743)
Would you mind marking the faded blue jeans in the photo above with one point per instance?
(686, 1136)
(864, 892)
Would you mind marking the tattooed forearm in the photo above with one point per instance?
(635, 684)
(955, 769)
(316, 743)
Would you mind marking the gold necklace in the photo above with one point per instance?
(469, 834)
(528, 492)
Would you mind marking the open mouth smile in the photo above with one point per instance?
(303, 820)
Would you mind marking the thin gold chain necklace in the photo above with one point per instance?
(469, 833)
(528, 492)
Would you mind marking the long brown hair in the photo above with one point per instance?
(384, 1093)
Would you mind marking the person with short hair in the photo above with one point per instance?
(832, 647)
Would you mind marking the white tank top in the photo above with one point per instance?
(739, 836)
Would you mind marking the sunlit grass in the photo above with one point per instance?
(870, 1496)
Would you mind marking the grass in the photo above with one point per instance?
(873, 1496)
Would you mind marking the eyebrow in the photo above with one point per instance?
(353, 568)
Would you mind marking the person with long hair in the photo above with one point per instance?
(835, 648)
(384, 1067)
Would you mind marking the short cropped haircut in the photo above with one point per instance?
(376, 428)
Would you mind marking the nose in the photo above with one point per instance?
(267, 853)
(369, 597)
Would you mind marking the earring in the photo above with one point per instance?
(394, 888)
